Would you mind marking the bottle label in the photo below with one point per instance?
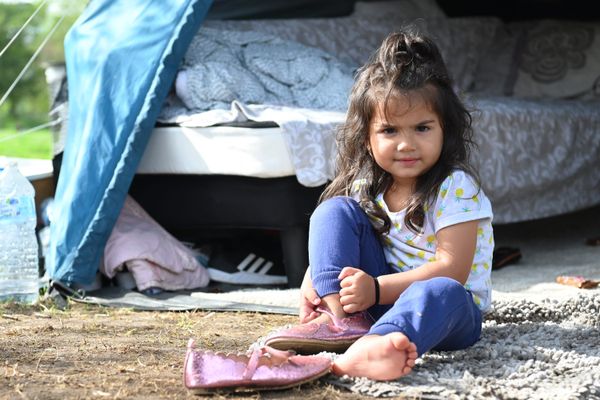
(16, 208)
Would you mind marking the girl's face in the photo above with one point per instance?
(406, 138)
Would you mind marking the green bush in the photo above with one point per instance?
(27, 105)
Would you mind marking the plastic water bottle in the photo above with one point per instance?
(19, 272)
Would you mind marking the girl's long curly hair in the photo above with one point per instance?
(406, 63)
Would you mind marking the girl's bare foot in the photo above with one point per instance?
(381, 358)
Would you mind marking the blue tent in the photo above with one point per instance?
(122, 57)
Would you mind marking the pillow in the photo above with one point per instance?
(463, 42)
(408, 9)
(495, 69)
(558, 59)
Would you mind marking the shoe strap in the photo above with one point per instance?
(338, 324)
(280, 355)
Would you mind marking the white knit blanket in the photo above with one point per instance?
(221, 66)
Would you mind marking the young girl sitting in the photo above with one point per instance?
(403, 233)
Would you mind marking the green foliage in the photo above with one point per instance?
(12, 16)
(70, 11)
(69, 8)
(28, 104)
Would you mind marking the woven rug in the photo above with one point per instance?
(528, 350)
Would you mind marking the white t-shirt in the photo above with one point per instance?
(459, 200)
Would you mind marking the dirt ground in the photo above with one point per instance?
(93, 352)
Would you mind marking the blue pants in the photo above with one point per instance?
(437, 314)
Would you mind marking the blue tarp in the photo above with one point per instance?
(122, 57)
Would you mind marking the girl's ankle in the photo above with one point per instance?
(332, 304)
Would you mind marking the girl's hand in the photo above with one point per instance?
(358, 290)
(309, 300)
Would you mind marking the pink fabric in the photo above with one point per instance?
(153, 256)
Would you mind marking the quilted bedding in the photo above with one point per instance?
(222, 66)
(537, 158)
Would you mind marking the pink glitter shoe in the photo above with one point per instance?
(265, 369)
(313, 338)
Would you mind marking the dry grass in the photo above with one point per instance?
(92, 352)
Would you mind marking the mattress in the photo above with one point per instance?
(535, 158)
(217, 150)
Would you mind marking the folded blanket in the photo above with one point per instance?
(222, 66)
(153, 256)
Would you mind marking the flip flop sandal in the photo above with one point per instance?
(504, 256)
(313, 338)
(264, 369)
(595, 241)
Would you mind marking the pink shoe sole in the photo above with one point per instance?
(265, 369)
(313, 338)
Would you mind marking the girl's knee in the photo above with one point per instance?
(337, 207)
(439, 285)
(445, 282)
